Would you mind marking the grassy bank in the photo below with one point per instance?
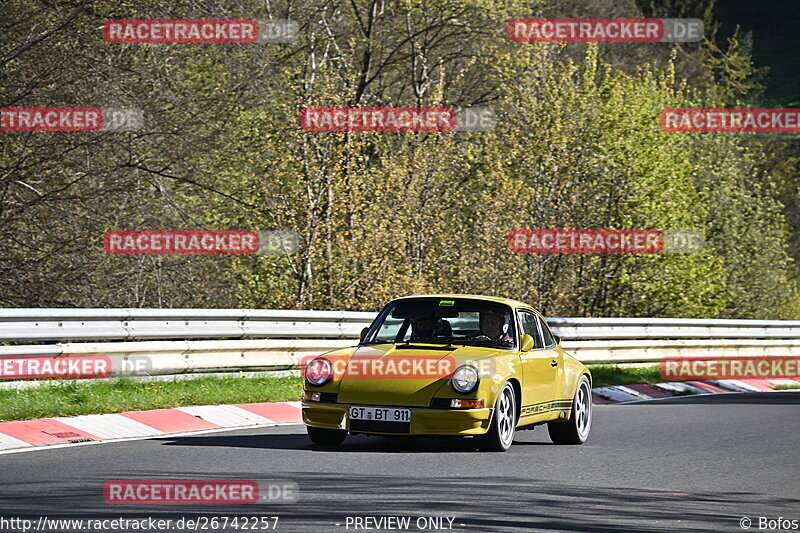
(605, 375)
(114, 396)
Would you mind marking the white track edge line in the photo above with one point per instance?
(701, 394)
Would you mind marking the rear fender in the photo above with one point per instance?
(570, 374)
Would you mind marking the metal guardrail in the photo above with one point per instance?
(230, 340)
(19, 325)
(673, 328)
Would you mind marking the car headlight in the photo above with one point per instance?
(465, 379)
(319, 371)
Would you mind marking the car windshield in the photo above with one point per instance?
(460, 321)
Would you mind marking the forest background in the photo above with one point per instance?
(385, 214)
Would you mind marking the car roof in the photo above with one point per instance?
(512, 303)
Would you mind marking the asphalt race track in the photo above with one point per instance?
(682, 464)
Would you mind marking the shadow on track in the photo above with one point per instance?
(353, 444)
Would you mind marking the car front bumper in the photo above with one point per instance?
(424, 421)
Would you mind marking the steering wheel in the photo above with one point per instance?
(476, 335)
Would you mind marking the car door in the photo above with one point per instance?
(539, 368)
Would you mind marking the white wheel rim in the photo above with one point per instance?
(583, 410)
(505, 417)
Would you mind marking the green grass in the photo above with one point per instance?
(605, 375)
(787, 387)
(114, 396)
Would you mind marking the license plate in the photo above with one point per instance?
(384, 414)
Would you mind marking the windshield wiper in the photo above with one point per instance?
(470, 342)
(427, 346)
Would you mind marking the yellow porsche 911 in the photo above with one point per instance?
(471, 366)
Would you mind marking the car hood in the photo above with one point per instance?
(409, 375)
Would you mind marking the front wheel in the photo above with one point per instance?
(501, 432)
(576, 429)
(326, 437)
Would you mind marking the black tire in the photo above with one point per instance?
(576, 429)
(504, 419)
(326, 437)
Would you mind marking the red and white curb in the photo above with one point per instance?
(636, 393)
(25, 434)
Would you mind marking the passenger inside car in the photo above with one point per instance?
(429, 328)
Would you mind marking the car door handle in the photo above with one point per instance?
(553, 363)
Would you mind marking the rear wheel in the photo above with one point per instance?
(576, 429)
(326, 437)
(501, 432)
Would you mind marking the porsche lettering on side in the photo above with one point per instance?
(470, 366)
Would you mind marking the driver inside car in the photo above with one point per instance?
(495, 326)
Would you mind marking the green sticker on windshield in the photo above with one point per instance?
(447, 303)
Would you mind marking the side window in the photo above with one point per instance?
(528, 324)
(549, 340)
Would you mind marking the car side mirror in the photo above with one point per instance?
(363, 334)
(526, 343)
(557, 338)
